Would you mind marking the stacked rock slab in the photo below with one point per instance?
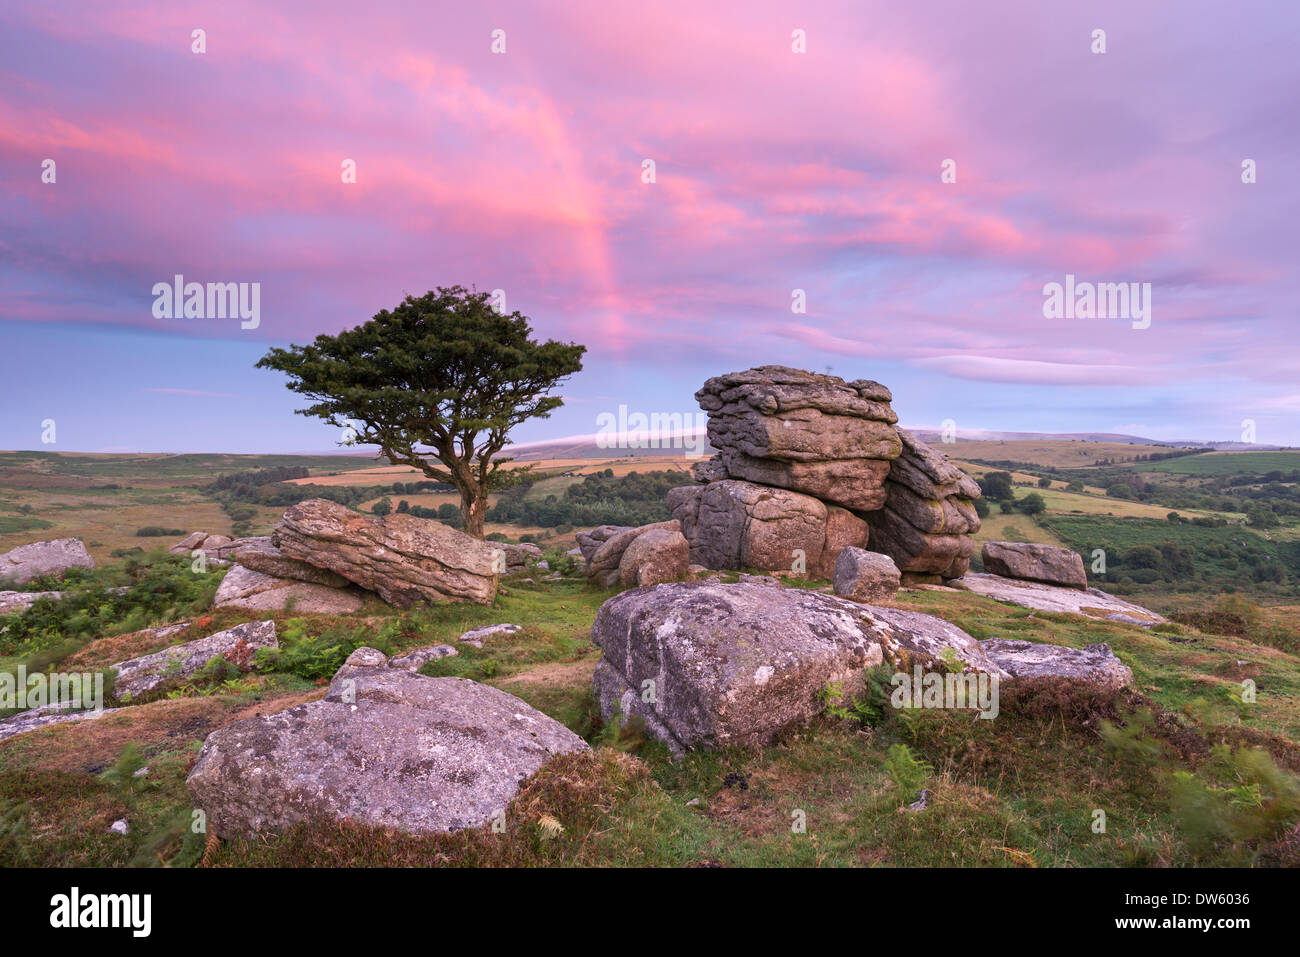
(928, 516)
(808, 465)
(809, 433)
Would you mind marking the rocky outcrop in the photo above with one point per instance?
(928, 516)
(1050, 564)
(1091, 602)
(254, 591)
(809, 433)
(865, 576)
(385, 748)
(708, 665)
(402, 558)
(54, 557)
(732, 524)
(259, 555)
(1095, 664)
(808, 465)
(236, 645)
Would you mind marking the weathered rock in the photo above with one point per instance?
(604, 563)
(865, 576)
(1050, 564)
(403, 558)
(928, 516)
(385, 748)
(656, 556)
(592, 538)
(417, 659)
(227, 551)
(1092, 602)
(515, 559)
(236, 645)
(732, 524)
(244, 588)
(260, 555)
(54, 557)
(47, 715)
(191, 542)
(13, 602)
(809, 433)
(1095, 664)
(476, 636)
(736, 664)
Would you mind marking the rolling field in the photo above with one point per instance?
(1054, 453)
(1229, 463)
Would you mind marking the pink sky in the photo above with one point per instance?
(774, 171)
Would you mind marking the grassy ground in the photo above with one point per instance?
(1019, 790)
(1172, 770)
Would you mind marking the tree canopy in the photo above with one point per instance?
(437, 384)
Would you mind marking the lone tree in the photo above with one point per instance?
(442, 378)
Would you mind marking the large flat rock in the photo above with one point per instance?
(403, 558)
(254, 591)
(1095, 664)
(46, 716)
(385, 747)
(1090, 602)
(710, 665)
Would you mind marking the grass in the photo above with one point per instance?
(1016, 791)
(1229, 463)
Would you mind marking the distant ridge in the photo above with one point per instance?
(585, 446)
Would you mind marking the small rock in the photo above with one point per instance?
(866, 576)
(417, 659)
(120, 827)
(475, 636)
(1050, 564)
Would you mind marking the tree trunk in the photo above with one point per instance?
(473, 510)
